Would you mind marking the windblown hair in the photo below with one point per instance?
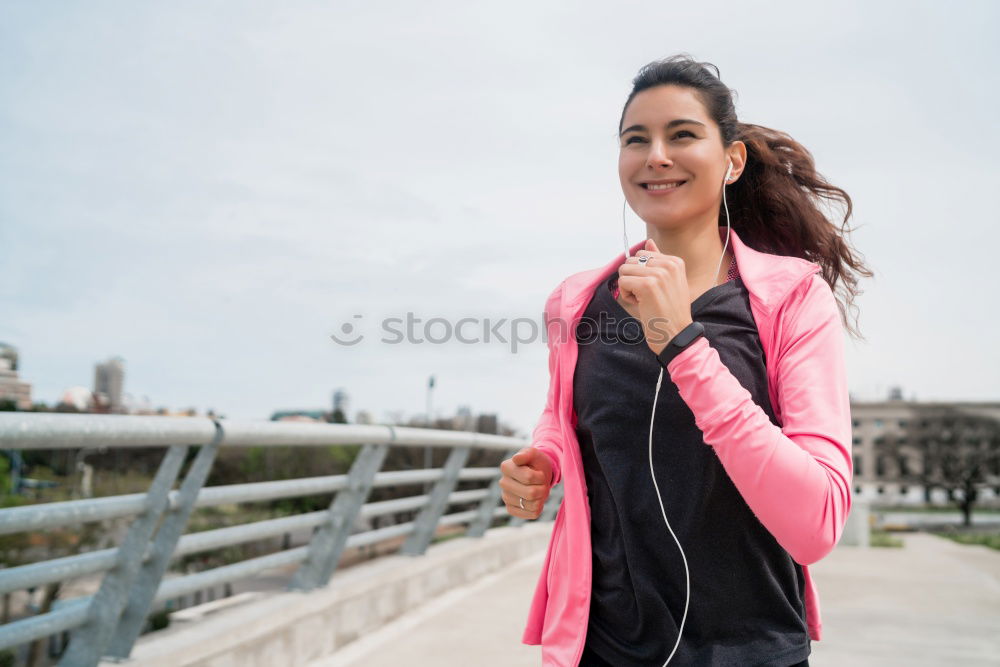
(776, 204)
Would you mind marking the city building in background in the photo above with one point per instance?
(319, 416)
(911, 452)
(487, 423)
(336, 415)
(109, 385)
(463, 419)
(80, 399)
(341, 403)
(13, 390)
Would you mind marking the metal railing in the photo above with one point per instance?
(107, 623)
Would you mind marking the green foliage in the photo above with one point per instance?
(6, 485)
(344, 455)
(253, 464)
(445, 538)
(10, 545)
(881, 538)
(159, 620)
(933, 509)
(984, 538)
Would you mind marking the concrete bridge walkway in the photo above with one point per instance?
(931, 603)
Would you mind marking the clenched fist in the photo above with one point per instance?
(526, 475)
(659, 289)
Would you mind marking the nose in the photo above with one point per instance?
(657, 156)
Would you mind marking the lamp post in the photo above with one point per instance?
(427, 450)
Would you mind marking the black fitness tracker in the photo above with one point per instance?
(678, 343)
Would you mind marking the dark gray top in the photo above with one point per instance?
(747, 594)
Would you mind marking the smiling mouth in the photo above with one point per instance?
(659, 187)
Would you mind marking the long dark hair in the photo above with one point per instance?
(775, 204)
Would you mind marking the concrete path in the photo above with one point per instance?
(931, 603)
(478, 625)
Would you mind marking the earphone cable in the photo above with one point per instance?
(652, 420)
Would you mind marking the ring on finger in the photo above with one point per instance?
(522, 502)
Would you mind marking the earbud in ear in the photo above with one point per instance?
(729, 170)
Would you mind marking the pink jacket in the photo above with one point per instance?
(796, 479)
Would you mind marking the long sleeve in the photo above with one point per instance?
(547, 436)
(796, 478)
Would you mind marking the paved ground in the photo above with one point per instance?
(934, 602)
(931, 603)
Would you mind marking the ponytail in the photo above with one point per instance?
(776, 207)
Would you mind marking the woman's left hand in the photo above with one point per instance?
(660, 290)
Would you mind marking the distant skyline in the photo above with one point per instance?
(211, 190)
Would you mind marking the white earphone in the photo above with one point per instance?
(659, 381)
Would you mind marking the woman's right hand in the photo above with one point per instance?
(528, 475)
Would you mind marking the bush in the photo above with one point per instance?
(159, 620)
(880, 538)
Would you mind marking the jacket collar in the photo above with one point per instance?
(768, 278)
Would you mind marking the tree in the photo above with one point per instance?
(957, 449)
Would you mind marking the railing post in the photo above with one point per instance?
(87, 642)
(484, 516)
(328, 541)
(148, 582)
(426, 522)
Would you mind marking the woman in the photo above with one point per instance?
(693, 508)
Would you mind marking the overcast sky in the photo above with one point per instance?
(210, 190)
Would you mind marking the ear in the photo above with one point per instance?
(739, 157)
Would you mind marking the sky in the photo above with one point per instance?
(210, 190)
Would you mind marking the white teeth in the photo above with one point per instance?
(662, 186)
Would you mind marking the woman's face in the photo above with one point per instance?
(668, 136)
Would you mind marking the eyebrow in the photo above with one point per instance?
(678, 121)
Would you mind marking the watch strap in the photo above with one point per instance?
(680, 342)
